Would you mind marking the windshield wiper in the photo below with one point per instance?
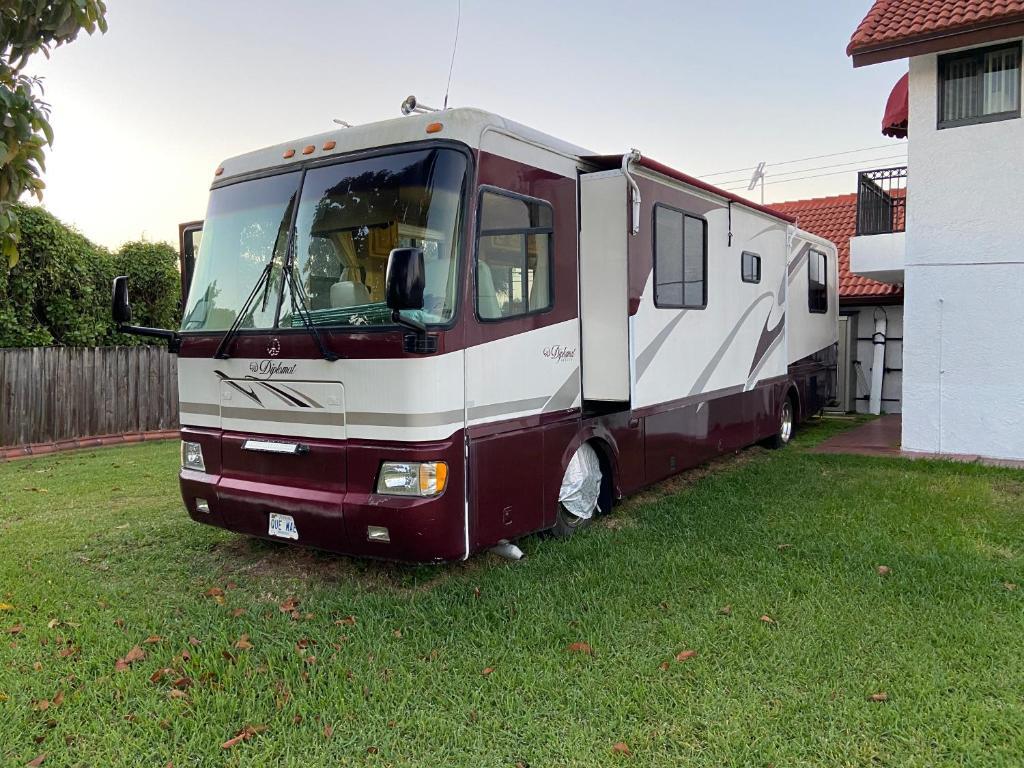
(225, 342)
(296, 291)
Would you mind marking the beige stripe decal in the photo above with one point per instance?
(367, 419)
(499, 409)
(296, 416)
(201, 409)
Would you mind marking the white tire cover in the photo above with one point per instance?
(582, 483)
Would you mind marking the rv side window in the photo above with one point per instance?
(817, 282)
(513, 255)
(750, 267)
(680, 259)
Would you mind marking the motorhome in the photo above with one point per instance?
(421, 338)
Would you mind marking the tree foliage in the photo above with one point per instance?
(59, 292)
(28, 27)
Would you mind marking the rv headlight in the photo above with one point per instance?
(192, 456)
(412, 478)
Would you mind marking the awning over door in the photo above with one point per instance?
(894, 122)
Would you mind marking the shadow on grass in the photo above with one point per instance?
(257, 558)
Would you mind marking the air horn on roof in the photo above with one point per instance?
(410, 105)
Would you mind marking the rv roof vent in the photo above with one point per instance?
(410, 105)
(342, 123)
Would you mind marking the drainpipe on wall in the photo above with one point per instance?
(877, 363)
(633, 156)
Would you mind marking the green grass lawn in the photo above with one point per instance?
(470, 664)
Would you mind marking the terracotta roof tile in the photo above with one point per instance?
(835, 218)
(894, 22)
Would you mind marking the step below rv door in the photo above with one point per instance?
(604, 286)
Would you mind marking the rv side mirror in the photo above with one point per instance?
(406, 279)
(119, 306)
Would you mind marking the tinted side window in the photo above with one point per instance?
(750, 267)
(513, 256)
(817, 282)
(680, 259)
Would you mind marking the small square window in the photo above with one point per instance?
(750, 267)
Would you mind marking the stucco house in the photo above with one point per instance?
(961, 256)
(862, 303)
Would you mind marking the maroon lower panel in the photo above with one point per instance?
(815, 377)
(330, 491)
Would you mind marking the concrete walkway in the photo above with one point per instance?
(880, 437)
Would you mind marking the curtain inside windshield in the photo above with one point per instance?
(246, 229)
(350, 218)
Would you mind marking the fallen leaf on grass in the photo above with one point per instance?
(37, 666)
(768, 619)
(397, 633)
(215, 592)
(1009, 585)
(182, 682)
(177, 693)
(371, 750)
(487, 671)
(783, 547)
(194, 641)
(664, 666)
(135, 654)
(328, 731)
(237, 612)
(17, 629)
(685, 655)
(243, 643)
(350, 620)
(41, 706)
(884, 570)
(580, 648)
(880, 696)
(725, 610)
(4, 697)
(289, 605)
(243, 735)
(36, 761)
(6, 607)
(159, 675)
(152, 639)
(621, 748)
(53, 624)
(58, 698)
(69, 651)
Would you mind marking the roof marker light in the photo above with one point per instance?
(288, 153)
(329, 145)
(308, 149)
(434, 127)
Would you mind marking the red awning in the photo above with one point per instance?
(894, 122)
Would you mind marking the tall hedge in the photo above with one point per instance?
(59, 291)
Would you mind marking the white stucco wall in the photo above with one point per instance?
(963, 383)
(892, 381)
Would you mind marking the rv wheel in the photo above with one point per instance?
(580, 493)
(786, 423)
(566, 523)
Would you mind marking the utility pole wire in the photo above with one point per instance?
(816, 168)
(798, 160)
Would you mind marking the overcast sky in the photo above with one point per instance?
(145, 113)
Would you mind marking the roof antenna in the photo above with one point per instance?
(758, 176)
(455, 46)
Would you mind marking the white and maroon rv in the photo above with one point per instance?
(423, 337)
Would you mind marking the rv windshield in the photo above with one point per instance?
(350, 216)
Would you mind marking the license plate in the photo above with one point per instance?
(283, 526)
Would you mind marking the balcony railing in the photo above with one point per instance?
(882, 201)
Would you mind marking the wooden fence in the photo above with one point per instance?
(50, 394)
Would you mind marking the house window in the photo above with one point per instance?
(680, 259)
(817, 282)
(513, 255)
(979, 86)
(750, 267)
